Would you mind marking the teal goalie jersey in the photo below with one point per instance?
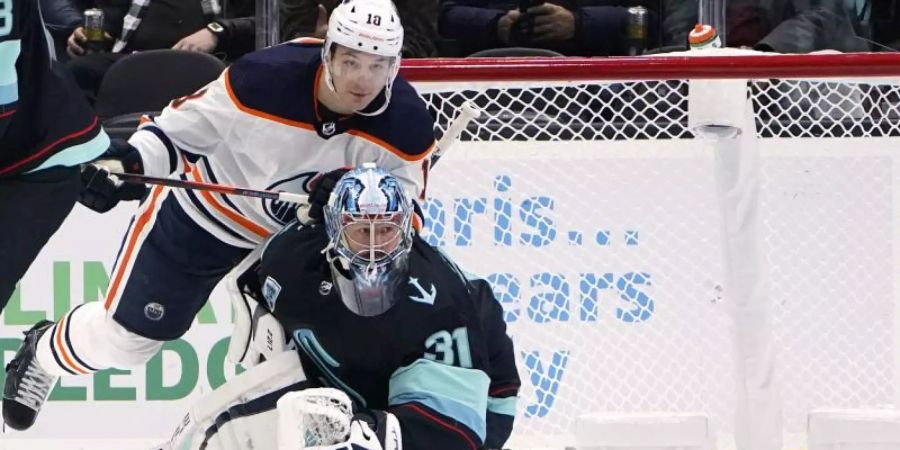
(439, 359)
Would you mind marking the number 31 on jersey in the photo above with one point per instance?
(451, 348)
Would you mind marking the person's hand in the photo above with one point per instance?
(203, 41)
(74, 43)
(100, 189)
(321, 22)
(552, 23)
(504, 25)
(320, 191)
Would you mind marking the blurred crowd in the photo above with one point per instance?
(228, 29)
(434, 28)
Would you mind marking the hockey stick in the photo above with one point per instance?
(467, 112)
(220, 188)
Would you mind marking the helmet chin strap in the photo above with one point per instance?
(326, 66)
(387, 90)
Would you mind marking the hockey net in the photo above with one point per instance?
(584, 197)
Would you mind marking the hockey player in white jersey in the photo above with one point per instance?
(277, 119)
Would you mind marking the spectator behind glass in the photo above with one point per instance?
(309, 18)
(61, 18)
(886, 24)
(783, 26)
(130, 26)
(570, 27)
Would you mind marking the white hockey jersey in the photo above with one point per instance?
(260, 126)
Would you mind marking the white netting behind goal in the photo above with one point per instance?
(591, 208)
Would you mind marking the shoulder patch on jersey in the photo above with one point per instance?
(427, 297)
(270, 292)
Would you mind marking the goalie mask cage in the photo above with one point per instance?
(748, 276)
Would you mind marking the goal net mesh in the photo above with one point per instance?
(591, 208)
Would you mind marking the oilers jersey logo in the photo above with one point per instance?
(284, 212)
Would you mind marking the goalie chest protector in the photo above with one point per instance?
(436, 317)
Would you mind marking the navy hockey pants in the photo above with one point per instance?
(166, 268)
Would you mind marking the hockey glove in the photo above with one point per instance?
(321, 190)
(101, 191)
(371, 430)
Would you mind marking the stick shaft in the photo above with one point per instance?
(220, 188)
(467, 112)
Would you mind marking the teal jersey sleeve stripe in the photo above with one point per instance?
(505, 406)
(447, 407)
(9, 79)
(78, 154)
(9, 93)
(455, 392)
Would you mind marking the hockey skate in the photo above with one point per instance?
(27, 384)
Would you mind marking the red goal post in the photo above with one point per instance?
(661, 67)
(639, 274)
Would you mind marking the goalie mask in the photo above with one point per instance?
(369, 223)
(369, 26)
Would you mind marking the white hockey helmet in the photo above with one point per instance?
(370, 26)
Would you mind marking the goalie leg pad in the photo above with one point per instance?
(257, 335)
(209, 412)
